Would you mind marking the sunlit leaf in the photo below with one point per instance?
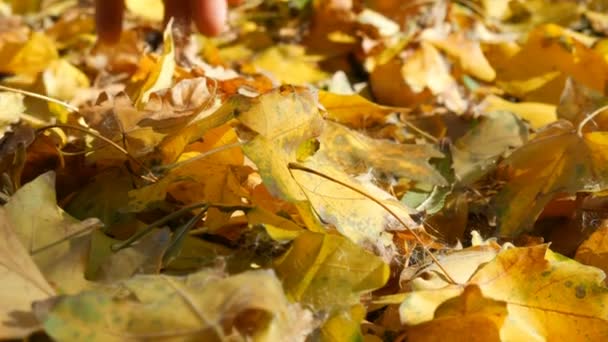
(328, 271)
(557, 160)
(289, 65)
(161, 74)
(594, 250)
(547, 296)
(57, 241)
(549, 50)
(203, 305)
(536, 113)
(12, 108)
(22, 283)
(476, 153)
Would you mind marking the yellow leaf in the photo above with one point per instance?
(284, 119)
(203, 306)
(11, 108)
(161, 75)
(594, 250)
(424, 69)
(22, 284)
(468, 317)
(357, 154)
(289, 65)
(62, 81)
(210, 179)
(550, 51)
(355, 110)
(30, 58)
(548, 297)
(328, 271)
(344, 325)
(557, 160)
(469, 55)
(57, 241)
(536, 113)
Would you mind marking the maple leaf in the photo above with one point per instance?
(537, 72)
(23, 284)
(56, 240)
(546, 295)
(203, 305)
(335, 270)
(557, 160)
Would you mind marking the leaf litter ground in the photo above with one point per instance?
(325, 170)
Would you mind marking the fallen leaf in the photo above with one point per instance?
(328, 271)
(289, 64)
(477, 152)
(29, 59)
(62, 81)
(56, 241)
(12, 108)
(203, 305)
(594, 250)
(161, 74)
(557, 160)
(547, 297)
(468, 53)
(355, 110)
(356, 154)
(536, 113)
(470, 316)
(550, 51)
(23, 284)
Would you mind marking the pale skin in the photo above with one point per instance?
(209, 16)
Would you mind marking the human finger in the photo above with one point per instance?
(210, 16)
(108, 19)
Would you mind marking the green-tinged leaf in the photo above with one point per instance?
(358, 154)
(476, 153)
(344, 325)
(204, 305)
(283, 119)
(58, 242)
(328, 271)
(144, 257)
(22, 284)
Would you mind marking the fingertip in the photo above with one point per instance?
(210, 16)
(108, 19)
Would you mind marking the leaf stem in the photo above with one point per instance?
(40, 96)
(149, 176)
(146, 230)
(589, 117)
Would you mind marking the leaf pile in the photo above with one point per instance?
(326, 170)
